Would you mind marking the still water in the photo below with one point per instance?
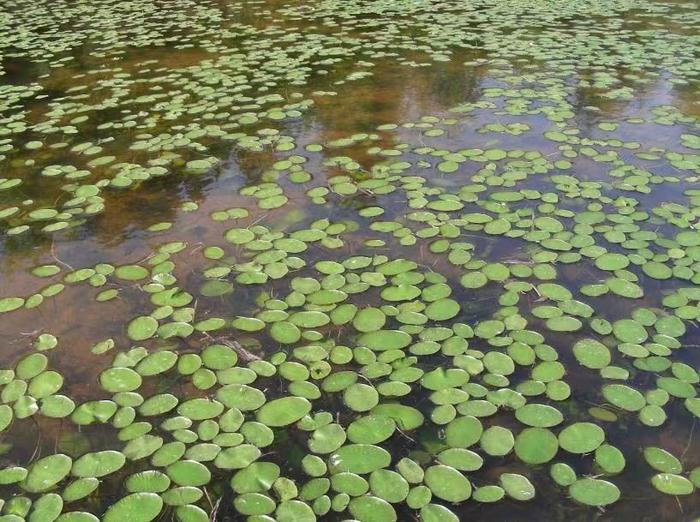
(359, 260)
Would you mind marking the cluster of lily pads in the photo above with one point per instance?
(397, 321)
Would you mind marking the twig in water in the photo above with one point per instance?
(55, 257)
(214, 511)
(690, 439)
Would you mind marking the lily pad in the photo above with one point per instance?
(662, 460)
(360, 458)
(284, 411)
(672, 484)
(46, 472)
(517, 486)
(447, 483)
(592, 354)
(581, 437)
(142, 328)
(624, 397)
(137, 507)
(594, 492)
(98, 464)
(536, 445)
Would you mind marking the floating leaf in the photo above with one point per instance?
(581, 437)
(46, 472)
(662, 460)
(98, 464)
(142, 328)
(672, 484)
(624, 397)
(594, 492)
(360, 397)
(592, 354)
(137, 507)
(536, 445)
(120, 380)
(382, 340)
(360, 458)
(447, 483)
(517, 486)
(539, 415)
(284, 411)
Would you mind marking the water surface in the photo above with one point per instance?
(510, 188)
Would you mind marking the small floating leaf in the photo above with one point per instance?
(447, 483)
(594, 492)
(581, 437)
(284, 411)
(137, 507)
(142, 328)
(672, 484)
(46, 472)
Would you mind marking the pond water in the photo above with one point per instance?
(349, 260)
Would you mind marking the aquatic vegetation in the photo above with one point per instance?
(251, 273)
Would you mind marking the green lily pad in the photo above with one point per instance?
(517, 486)
(12, 475)
(463, 432)
(539, 415)
(116, 380)
(149, 481)
(488, 494)
(672, 484)
(327, 439)
(609, 459)
(388, 485)
(360, 397)
(497, 441)
(437, 513)
(594, 492)
(581, 437)
(372, 509)
(79, 489)
(98, 464)
(45, 384)
(256, 478)
(630, 331)
(293, 510)
(360, 458)
(284, 411)
(8, 304)
(285, 332)
(237, 457)
(536, 445)
(46, 472)
(612, 262)
(442, 309)
(371, 429)
(369, 320)
(461, 459)
(382, 340)
(624, 397)
(447, 483)
(142, 328)
(662, 460)
(137, 507)
(562, 474)
(592, 354)
(189, 473)
(200, 409)
(46, 508)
